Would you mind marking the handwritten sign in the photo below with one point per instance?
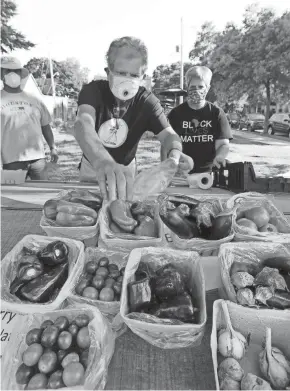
(10, 322)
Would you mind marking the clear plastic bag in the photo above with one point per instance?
(109, 309)
(100, 352)
(148, 183)
(197, 244)
(253, 322)
(8, 273)
(248, 200)
(79, 233)
(250, 253)
(166, 334)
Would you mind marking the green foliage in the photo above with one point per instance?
(11, 39)
(69, 76)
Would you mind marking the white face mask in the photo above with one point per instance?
(12, 80)
(124, 87)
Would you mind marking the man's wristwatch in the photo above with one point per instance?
(53, 149)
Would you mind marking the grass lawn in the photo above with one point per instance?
(269, 156)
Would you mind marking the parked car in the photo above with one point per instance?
(252, 122)
(279, 123)
(233, 119)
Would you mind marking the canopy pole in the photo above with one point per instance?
(181, 59)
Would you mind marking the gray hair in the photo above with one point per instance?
(130, 42)
(199, 72)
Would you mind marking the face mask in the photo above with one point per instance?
(124, 87)
(12, 80)
(197, 96)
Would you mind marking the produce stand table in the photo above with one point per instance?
(136, 364)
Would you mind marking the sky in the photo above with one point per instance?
(84, 29)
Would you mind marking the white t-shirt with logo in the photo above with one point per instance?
(22, 116)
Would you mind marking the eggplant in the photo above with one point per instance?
(221, 227)
(41, 289)
(176, 220)
(139, 294)
(54, 253)
(280, 300)
(167, 283)
(29, 268)
(280, 263)
(179, 307)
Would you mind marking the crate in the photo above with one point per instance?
(241, 177)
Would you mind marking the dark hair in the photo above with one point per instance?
(130, 42)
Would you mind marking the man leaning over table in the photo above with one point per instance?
(25, 120)
(113, 115)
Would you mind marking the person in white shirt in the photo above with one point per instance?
(25, 120)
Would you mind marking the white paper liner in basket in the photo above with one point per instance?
(249, 200)
(109, 309)
(100, 352)
(8, 273)
(163, 335)
(79, 233)
(254, 322)
(249, 253)
(197, 244)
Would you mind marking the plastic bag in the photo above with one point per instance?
(197, 244)
(109, 309)
(248, 200)
(8, 273)
(250, 253)
(79, 233)
(147, 184)
(253, 322)
(167, 334)
(100, 352)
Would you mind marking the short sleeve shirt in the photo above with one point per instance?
(121, 136)
(199, 129)
(22, 116)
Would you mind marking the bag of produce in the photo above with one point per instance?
(135, 224)
(257, 218)
(37, 274)
(196, 224)
(163, 297)
(67, 349)
(72, 214)
(256, 274)
(99, 283)
(249, 347)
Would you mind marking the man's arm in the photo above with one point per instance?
(108, 172)
(88, 138)
(222, 148)
(169, 140)
(48, 136)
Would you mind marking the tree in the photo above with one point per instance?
(204, 43)
(256, 58)
(69, 76)
(11, 38)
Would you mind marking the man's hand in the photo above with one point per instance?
(53, 155)
(184, 162)
(219, 161)
(115, 180)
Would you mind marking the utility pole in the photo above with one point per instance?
(181, 59)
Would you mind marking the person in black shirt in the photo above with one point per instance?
(203, 127)
(113, 115)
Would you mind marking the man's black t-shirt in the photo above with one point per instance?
(198, 130)
(121, 137)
